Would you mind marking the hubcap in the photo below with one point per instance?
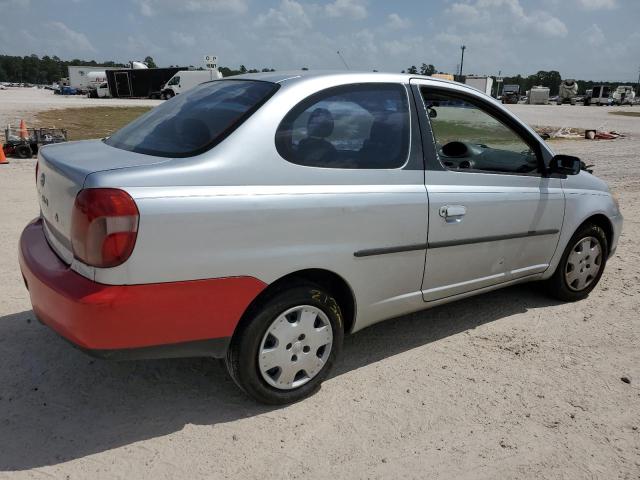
(583, 264)
(295, 347)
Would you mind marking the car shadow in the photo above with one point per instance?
(57, 404)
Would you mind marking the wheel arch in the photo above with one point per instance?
(327, 279)
(603, 222)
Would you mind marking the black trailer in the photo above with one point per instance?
(139, 83)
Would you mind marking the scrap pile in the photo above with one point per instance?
(24, 142)
(568, 133)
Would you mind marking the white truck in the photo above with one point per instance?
(568, 92)
(187, 79)
(599, 96)
(624, 95)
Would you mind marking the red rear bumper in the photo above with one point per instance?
(107, 319)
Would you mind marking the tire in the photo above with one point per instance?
(23, 151)
(256, 346)
(560, 285)
(168, 95)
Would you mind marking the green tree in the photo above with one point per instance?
(427, 69)
(149, 61)
(412, 70)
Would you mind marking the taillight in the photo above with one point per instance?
(104, 226)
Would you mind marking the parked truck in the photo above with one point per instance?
(568, 92)
(599, 95)
(624, 95)
(187, 79)
(511, 94)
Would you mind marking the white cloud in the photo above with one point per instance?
(150, 8)
(594, 36)
(180, 39)
(547, 25)
(69, 39)
(598, 4)
(354, 9)
(496, 15)
(14, 3)
(464, 12)
(288, 19)
(397, 22)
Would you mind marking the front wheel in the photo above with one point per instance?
(287, 346)
(581, 265)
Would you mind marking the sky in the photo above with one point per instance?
(583, 39)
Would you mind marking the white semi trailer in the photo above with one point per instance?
(484, 84)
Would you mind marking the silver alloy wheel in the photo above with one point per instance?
(583, 264)
(295, 347)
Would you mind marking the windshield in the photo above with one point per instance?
(196, 121)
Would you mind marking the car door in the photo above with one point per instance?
(359, 144)
(493, 216)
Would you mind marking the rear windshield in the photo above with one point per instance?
(195, 121)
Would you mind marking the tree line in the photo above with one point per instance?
(46, 70)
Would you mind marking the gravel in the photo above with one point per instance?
(509, 384)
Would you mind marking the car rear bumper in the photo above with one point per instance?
(176, 319)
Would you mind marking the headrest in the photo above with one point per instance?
(320, 123)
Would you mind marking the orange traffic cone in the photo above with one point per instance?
(3, 158)
(24, 133)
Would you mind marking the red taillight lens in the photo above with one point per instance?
(104, 226)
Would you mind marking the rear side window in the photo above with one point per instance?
(194, 122)
(355, 126)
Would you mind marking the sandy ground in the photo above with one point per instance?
(504, 385)
(22, 103)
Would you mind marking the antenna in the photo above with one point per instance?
(343, 60)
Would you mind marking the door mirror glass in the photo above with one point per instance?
(565, 164)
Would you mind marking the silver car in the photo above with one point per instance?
(258, 219)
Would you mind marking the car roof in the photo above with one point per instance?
(295, 76)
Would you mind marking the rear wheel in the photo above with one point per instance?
(581, 266)
(23, 151)
(287, 346)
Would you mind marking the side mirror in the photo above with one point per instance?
(565, 165)
(432, 112)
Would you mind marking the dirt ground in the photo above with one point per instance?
(505, 385)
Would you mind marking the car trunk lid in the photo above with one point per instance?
(62, 170)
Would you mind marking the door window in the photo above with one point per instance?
(469, 138)
(356, 126)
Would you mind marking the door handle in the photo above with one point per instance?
(452, 211)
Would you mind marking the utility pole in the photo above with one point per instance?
(463, 48)
(343, 60)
